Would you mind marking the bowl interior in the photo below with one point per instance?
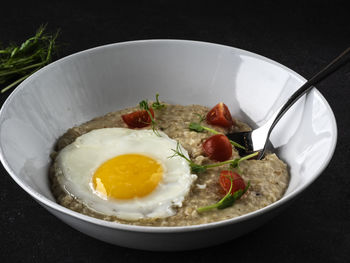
(104, 79)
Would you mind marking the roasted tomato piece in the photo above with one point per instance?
(225, 182)
(138, 119)
(220, 116)
(218, 148)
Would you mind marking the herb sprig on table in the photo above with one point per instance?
(18, 62)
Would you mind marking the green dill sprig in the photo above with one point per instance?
(198, 127)
(197, 168)
(157, 105)
(227, 201)
(19, 62)
(144, 106)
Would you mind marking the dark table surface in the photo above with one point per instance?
(303, 35)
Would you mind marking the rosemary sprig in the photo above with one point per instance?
(198, 127)
(19, 62)
(197, 168)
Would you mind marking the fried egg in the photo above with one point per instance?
(125, 173)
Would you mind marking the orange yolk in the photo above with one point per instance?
(127, 176)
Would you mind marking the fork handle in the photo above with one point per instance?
(339, 61)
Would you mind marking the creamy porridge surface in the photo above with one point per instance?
(268, 177)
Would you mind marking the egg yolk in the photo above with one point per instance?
(127, 176)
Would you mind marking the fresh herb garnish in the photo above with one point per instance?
(144, 106)
(198, 127)
(19, 62)
(227, 201)
(157, 105)
(236, 162)
(197, 168)
(201, 117)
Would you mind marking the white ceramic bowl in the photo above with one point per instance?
(91, 83)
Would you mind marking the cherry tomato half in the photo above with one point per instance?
(218, 148)
(220, 116)
(225, 182)
(138, 119)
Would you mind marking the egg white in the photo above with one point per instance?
(77, 163)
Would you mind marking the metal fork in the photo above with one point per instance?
(257, 140)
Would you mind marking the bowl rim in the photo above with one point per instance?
(47, 203)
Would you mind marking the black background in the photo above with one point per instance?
(303, 35)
